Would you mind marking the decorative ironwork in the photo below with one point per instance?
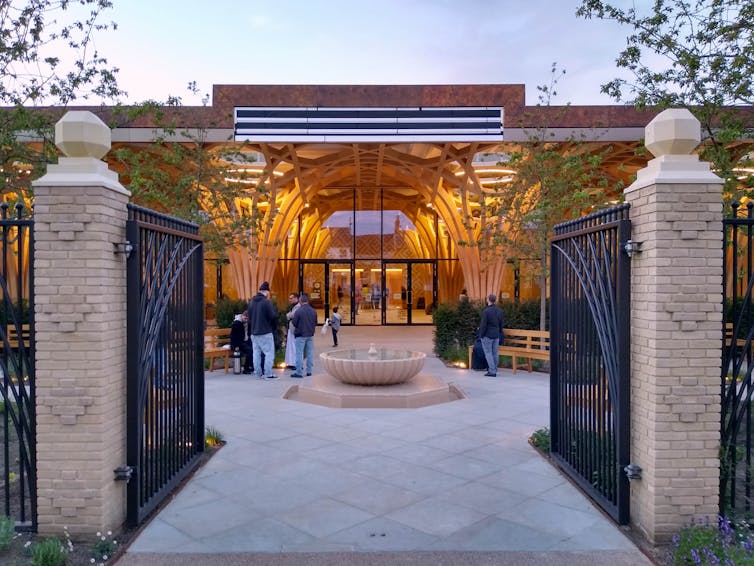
(165, 356)
(18, 418)
(737, 389)
(589, 375)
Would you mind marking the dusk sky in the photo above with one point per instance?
(159, 51)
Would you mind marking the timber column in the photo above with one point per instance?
(676, 330)
(80, 314)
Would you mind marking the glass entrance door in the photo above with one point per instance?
(422, 293)
(396, 303)
(367, 292)
(339, 286)
(409, 293)
(313, 284)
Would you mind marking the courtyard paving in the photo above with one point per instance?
(455, 483)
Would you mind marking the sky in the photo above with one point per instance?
(162, 45)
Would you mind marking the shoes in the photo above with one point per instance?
(488, 374)
(247, 372)
(308, 375)
(270, 376)
(296, 375)
(334, 345)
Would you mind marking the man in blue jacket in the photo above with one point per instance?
(491, 332)
(305, 321)
(262, 322)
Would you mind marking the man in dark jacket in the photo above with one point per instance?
(491, 332)
(239, 340)
(305, 321)
(262, 322)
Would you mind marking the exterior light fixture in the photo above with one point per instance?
(632, 248)
(123, 248)
(633, 472)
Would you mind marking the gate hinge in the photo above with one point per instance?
(633, 472)
(123, 473)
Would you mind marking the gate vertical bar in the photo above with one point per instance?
(134, 416)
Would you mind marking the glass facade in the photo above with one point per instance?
(372, 252)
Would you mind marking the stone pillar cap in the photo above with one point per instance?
(673, 132)
(82, 134)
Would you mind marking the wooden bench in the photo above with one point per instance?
(740, 342)
(13, 337)
(214, 340)
(519, 343)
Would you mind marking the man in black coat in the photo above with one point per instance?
(262, 325)
(491, 332)
(239, 340)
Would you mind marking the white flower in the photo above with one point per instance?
(104, 557)
(109, 533)
(27, 544)
(91, 561)
(99, 534)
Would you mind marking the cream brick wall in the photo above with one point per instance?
(80, 310)
(676, 321)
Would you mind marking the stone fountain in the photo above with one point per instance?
(373, 367)
(374, 378)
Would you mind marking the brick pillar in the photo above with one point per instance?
(80, 309)
(676, 322)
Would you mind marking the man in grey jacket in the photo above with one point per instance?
(305, 321)
(491, 332)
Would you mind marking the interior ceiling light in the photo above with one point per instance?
(496, 180)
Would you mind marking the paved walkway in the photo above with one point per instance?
(455, 483)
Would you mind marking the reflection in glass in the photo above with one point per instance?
(337, 232)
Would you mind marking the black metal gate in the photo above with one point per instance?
(165, 356)
(18, 421)
(589, 379)
(737, 389)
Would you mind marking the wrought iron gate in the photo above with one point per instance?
(737, 389)
(165, 391)
(18, 421)
(589, 376)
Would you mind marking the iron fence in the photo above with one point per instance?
(165, 392)
(737, 432)
(589, 356)
(18, 420)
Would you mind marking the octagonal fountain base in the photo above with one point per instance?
(421, 391)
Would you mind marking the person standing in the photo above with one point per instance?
(335, 321)
(305, 321)
(491, 332)
(262, 322)
(239, 340)
(290, 341)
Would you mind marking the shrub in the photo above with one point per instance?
(7, 532)
(704, 543)
(456, 324)
(21, 311)
(213, 437)
(541, 439)
(226, 309)
(49, 552)
(103, 548)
